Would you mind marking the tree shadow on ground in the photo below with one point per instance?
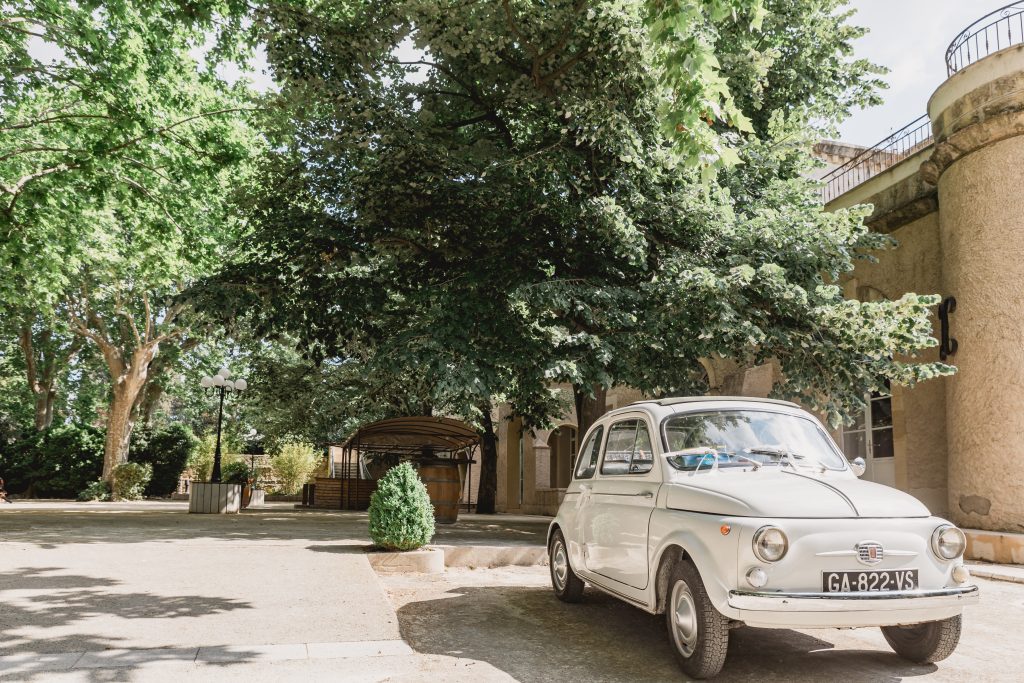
(52, 528)
(529, 634)
(46, 613)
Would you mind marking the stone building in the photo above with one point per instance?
(949, 188)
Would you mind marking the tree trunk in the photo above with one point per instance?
(44, 400)
(150, 402)
(485, 499)
(129, 384)
(589, 408)
(40, 371)
(119, 432)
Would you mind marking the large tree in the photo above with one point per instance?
(492, 193)
(118, 150)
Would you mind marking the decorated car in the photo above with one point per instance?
(723, 511)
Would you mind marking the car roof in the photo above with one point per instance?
(666, 406)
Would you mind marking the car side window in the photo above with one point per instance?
(587, 464)
(643, 452)
(628, 450)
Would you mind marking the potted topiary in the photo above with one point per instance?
(402, 519)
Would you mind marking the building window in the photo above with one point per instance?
(870, 436)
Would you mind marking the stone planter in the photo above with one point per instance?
(257, 498)
(205, 498)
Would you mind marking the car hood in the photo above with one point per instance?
(784, 493)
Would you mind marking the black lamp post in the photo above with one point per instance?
(222, 385)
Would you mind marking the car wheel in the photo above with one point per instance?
(568, 587)
(698, 632)
(924, 643)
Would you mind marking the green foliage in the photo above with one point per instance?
(401, 516)
(56, 463)
(293, 465)
(96, 491)
(130, 480)
(168, 451)
(201, 460)
(120, 151)
(236, 472)
(508, 211)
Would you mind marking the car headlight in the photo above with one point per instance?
(770, 544)
(948, 542)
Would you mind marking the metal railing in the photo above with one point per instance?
(993, 32)
(908, 140)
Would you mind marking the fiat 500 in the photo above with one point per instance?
(719, 512)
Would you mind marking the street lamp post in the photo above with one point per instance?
(222, 385)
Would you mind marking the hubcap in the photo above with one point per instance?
(684, 618)
(559, 565)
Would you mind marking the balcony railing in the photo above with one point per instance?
(995, 31)
(906, 141)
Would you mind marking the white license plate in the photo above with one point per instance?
(869, 581)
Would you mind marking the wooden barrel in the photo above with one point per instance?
(441, 478)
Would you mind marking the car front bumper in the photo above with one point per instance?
(840, 610)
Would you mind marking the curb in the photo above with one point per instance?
(423, 561)
(997, 573)
(435, 559)
(491, 556)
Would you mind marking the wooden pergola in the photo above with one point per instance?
(374, 448)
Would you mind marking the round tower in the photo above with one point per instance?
(978, 165)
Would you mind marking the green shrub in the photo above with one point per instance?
(401, 516)
(55, 463)
(201, 460)
(130, 479)
(98, 490)
(168, 451)
(235, 472)
(293, 465)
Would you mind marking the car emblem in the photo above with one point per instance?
(869, 552)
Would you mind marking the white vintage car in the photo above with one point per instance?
(722, 511)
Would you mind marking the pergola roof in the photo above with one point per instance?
(439, 432)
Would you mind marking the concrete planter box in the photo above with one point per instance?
(257, 498)
(214, 499)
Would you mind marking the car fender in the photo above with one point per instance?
(701, 537)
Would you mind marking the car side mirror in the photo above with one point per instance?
(858, 466)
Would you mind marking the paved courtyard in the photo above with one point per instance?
(146, 592)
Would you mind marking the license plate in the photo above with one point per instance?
(869, 581)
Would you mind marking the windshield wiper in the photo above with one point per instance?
(790, 457)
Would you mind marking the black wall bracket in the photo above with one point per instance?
(947, 344)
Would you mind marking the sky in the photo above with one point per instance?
(909, 37)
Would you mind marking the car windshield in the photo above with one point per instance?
(747, 438)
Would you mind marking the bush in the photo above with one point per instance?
(401, 516)
(293, 466)
(168, 451)
(130, 479)
(98, 491)
(235, 472)
(55, 463)
(201, 460)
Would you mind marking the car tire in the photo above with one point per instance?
(698, 633)
(925, 643)
(568, 587)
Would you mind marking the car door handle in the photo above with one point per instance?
(645, 494)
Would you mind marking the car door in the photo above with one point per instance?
(578, 494)
(616, 512)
